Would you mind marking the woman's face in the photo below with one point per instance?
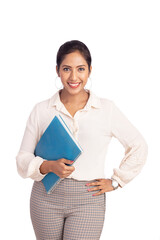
(74, 72)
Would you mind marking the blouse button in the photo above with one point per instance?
(76, 127)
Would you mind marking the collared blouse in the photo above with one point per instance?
(93, 127)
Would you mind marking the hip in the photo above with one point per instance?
(68, 192)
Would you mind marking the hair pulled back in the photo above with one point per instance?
(72, 46)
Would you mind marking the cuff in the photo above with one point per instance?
(121, 183)
(34, 169)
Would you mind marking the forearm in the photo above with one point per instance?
(28, 165)
(46, 167)
(133, 161)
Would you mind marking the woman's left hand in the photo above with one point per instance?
(102, 184)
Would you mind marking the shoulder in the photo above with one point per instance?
(106, 103)
(41, 105)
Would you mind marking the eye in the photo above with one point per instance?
(81, 69)
(66, 69)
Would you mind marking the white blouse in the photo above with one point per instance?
(93, 127)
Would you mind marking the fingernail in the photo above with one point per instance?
(88, 189)
(93, 195)
(87, 184)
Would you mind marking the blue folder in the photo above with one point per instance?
(57, 142)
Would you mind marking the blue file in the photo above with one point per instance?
(57, 142)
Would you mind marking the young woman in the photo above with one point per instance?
(76, 207)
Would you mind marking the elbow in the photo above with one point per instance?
(144, 147)
(138, 152)
(142, 154)
(19, 166)
(141, 149)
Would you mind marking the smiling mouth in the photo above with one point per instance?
(74, 85)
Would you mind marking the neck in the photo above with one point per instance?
(66, 97)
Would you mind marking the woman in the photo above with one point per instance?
(76, 207)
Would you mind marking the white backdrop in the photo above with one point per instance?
(123, 37)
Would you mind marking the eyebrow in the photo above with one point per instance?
(77, 66)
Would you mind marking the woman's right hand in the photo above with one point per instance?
(58, 167)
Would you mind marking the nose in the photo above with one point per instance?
(73, 75)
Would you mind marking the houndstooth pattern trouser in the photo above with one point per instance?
(70, 212)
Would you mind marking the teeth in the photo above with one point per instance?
(73, 84)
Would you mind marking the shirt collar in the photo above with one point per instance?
(93, 101)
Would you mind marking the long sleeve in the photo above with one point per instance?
(27, 164)
(136, 148)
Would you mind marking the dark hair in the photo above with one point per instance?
(72, 46)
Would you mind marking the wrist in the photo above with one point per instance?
(45, 167)
(114, 183)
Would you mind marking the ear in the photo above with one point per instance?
(57, 70)
(90, 71)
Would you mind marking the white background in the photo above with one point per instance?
(124, 40)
